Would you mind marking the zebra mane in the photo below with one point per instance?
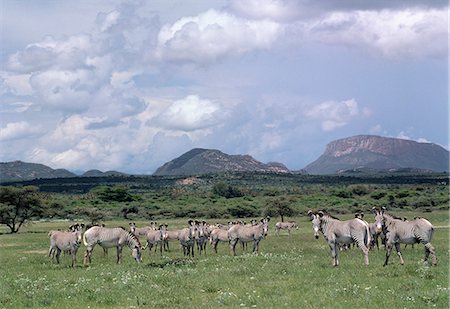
(133, 236)
(393, 217)
(331, 216)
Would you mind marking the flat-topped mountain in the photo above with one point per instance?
(379, 153)
(18, 170)
(203, 161)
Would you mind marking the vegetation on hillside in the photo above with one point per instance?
(235, 195)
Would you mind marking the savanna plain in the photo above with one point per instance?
(291, 271)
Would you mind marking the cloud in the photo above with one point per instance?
(412, 33)
(18, 130)
(332, 114)
(276, 10)
(190, 114)
(213, 35)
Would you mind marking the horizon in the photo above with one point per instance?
(130, 85)
(81, 172)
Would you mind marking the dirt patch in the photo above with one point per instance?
(7, 245)
(188, 181)
(38, 251)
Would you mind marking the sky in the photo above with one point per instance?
(130, 85)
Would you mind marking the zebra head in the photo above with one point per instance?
(193, 229)
(132, 227)
(379, 218)
(265, 225)
(163, 230)
(316, 221)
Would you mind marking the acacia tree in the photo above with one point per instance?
(18, 205)
(278, 207)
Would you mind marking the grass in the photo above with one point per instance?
(290, 272)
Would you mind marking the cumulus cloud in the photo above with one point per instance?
(277, 10)
(414, 32)
(212, 35)
(190, 114)
(332, 114)
(18, 130)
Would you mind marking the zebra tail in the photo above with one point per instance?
(84, 240)
(367, 237)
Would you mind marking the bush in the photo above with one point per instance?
(227, 191)
(113, 194)
(241, 211)
(360, 190)
(343, 193)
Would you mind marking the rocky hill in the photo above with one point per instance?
(97, 173)
(203, 161)
(18, 170)
(379, 153)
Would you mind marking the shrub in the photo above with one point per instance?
(227, 191)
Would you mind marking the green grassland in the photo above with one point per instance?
(290, 272)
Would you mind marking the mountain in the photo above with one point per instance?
(97, 173)
(203, 161)
(370, 152)
(18, 170)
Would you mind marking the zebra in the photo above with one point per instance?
(111, 237)
(218, 234)
(155, 237)
(337, 232)
(419, 230)
(244, 234)
(140, 231)
(65, 241)
(187, 238)
(286, 226)
(203, 234)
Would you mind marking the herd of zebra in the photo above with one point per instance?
(337, 233)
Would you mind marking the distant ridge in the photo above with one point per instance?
(18, 170)
(97, 173)
(376, 153)
(203, 161)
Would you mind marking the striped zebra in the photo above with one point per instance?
(338, 232)
(111, 237)
(419, 230)
(65, 241)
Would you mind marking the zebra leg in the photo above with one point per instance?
(255, 246)
(430, 249)
(233, 247)
(74, 257)
(58, 253)
(388, 253)
(397, 248)
(365, 251)
(166, 245)
(215, 243)
(150, 246)
(119, 254)
(334, 260)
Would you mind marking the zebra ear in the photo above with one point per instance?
(320, 213)
(374, 210)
